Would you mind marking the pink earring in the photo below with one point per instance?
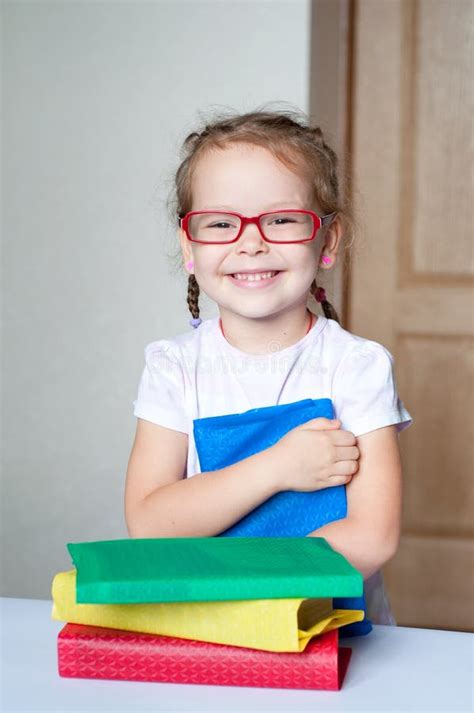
(190, 265)
(327, 260)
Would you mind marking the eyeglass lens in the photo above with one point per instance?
(281, 226)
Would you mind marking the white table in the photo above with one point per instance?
(391, 669)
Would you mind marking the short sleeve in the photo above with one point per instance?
(365, 393)
(161, 396)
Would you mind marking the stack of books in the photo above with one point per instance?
(237, 611)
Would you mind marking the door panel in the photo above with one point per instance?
(401, 98)
(430, 584)
(412, 280)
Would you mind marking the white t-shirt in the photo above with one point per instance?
(199, 374)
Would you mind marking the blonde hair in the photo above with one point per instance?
(289, 137)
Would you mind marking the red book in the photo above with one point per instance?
(97, 652)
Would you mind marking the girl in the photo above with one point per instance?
(259, 214)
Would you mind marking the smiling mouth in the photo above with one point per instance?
(254, 276)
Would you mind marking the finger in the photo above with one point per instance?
(345, 467)
(347, 453)
(339, 480)
(343, 438)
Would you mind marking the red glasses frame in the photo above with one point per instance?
(318, 222)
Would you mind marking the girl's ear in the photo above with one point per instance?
(185, 246)
(332, 240)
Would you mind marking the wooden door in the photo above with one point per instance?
(410, 284)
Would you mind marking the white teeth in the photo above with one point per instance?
(254, 277)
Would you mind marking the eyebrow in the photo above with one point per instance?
(278, 204)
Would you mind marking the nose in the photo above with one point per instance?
(251, 241)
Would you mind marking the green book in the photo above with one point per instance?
(193, 569)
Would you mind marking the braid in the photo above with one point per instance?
(328, 309)
(193, 296)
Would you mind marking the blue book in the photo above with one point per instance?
(225, 440)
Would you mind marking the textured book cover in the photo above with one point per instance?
(224, 440)
(177, 569)
(269, 624)
(95, 652)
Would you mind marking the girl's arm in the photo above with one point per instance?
(368, 537)
(161, 502)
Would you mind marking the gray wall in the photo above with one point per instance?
(97, 97)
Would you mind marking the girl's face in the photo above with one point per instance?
(249, 180)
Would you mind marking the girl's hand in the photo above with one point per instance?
(315, 455)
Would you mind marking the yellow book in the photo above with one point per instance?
(267, 624)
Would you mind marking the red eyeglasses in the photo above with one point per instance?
(284, 226)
